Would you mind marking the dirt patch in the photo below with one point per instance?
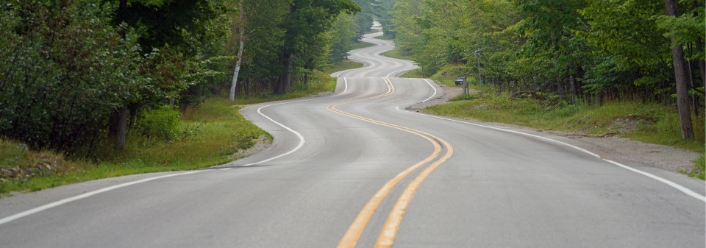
(261, 143)
(629, 123)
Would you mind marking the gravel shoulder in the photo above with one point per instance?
(610, 147)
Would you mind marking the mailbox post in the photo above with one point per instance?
(461, 81)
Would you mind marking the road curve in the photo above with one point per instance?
(356, 169)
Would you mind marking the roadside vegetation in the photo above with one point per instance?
(344, 65)
(361, 45)
(92, 89)
(385, 37)
(168, 140)
(636, 119)
(396, 54)
(580, 65)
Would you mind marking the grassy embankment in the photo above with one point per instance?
(207, 135)
(348, 64)
(634, 119)
(385, 37)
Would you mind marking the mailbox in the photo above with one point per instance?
(460, 81)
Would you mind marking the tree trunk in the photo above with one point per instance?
(572, 81)
(702, 63)
(247, 87)
(284, 80)
(289, 73)
(681, 78)
(121, 128)
(240, 53)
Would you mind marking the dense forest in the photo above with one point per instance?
(576, 50)
(77, 73)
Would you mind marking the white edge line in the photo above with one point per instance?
(432, 86)
(81, 196)
(665, 181)
(301, 138)
(103, 190)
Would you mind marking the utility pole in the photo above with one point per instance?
(480, 79)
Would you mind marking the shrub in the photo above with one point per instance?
(161, 122)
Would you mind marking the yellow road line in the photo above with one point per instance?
(366, 72)
(392, 224)
(350, 238)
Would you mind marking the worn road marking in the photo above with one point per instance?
(350, 238)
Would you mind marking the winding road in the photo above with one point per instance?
(357, 169)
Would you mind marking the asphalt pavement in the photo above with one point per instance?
(356, 168)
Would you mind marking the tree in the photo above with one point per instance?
(681, 77)
(343, 33)
(306, 19)
(240, 52)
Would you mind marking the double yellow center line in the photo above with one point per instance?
(389, 231)
(366, 72)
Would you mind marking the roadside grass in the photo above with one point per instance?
(396, 54)
(372, 31)
(412, 74)
(699, 168)
(385, 37)
(637, 120)
(344, 65)
(448, 74)
(208, 134)
(362, 44)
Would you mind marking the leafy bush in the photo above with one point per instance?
(161, 122)
(63, 71)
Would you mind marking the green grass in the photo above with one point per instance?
(359, 45)
(396, 54)
(412, 74)
(344, 65)
(372, 31)
(208, 135)
(699, 168)
(448, 74)
(651, 122)
(385, 37)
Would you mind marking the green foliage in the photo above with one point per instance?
(64, 71)
(699, 170)
(207, 135)
(161, 122)
(646, 122)
(344, 65)
(183, 24)
(343, 34)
